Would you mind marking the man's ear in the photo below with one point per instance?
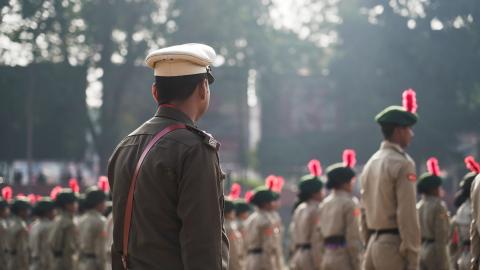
(203, 89)
(154, 93)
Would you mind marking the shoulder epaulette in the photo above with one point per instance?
(207, 138)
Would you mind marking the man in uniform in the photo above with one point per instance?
(388, 193)
(165, 176)
(92, 231)
(475, 226)
(4, 212)
(41, 255)
(63, 235)
(18, 234)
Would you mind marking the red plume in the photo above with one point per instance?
(32, 198)
(410, 100)
(314, 167)
(278, 184)
(472, 165)
(7, 193)
(54, 192)
(73, 184)
(349, 158)
(432, 166)
(103, 184)
(235, 191)
(271, 181)
(248, 196)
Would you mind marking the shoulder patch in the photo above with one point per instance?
(356, 212)
(412, 177)
(207, 138)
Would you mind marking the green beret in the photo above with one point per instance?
(428, 181)
(396, 115)
(241, 206)
(310, 184)
(94, 196)
(19, 204)
(43, 206)
(64, 197)
(262, 195)
(229, 206)
(338, 174)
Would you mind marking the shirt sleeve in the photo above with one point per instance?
(352, 235)
(407, 216)
(441, 233)
(200, 209)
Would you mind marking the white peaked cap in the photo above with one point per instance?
(181, 60)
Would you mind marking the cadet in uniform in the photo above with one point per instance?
(4, 212)
(18, 234)
(172, 170)
(63, 235)
(237, 252)
(305, 219)
(263, 232)
(39, 230)
(388, 195)
(434, 220)
(92, 231)
(338, 229)
(462, 220)
(475, 225)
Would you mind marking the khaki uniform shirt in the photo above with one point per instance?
(263, 233)
(109, 242)
(92, 238)
(237, 251)
(63, 242)
(302, 229)
(461, 225)
(339, 215)
(434, 225)
(3, 241)
(475, 227)
(389, 198)
(177, 219)
(40, 252)
(18, 244)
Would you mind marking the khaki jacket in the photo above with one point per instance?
(18, 244)
(237, 251)
(92, 238)
(388, 197)
(63, 242)
(434, 225)
(177, 219)
(263, 233)
(38, 242)
(475, 227)
(339, 215)
(302, 230)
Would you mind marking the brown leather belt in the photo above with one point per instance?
(129, 207)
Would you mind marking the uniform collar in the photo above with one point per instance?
(430, 198)
(169, 111)
(340, 193)
(393, 146)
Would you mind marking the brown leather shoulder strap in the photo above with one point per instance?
(129, 207)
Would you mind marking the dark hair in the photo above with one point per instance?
(387, 130)
(177, 88)
(302, 197)
(461, 196)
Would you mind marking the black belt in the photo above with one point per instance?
(88, 255)
(335, 240)
(12, 252)
(305, 246)
(57, 254)
(427, 240)
(255, 251)
(385, 231)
